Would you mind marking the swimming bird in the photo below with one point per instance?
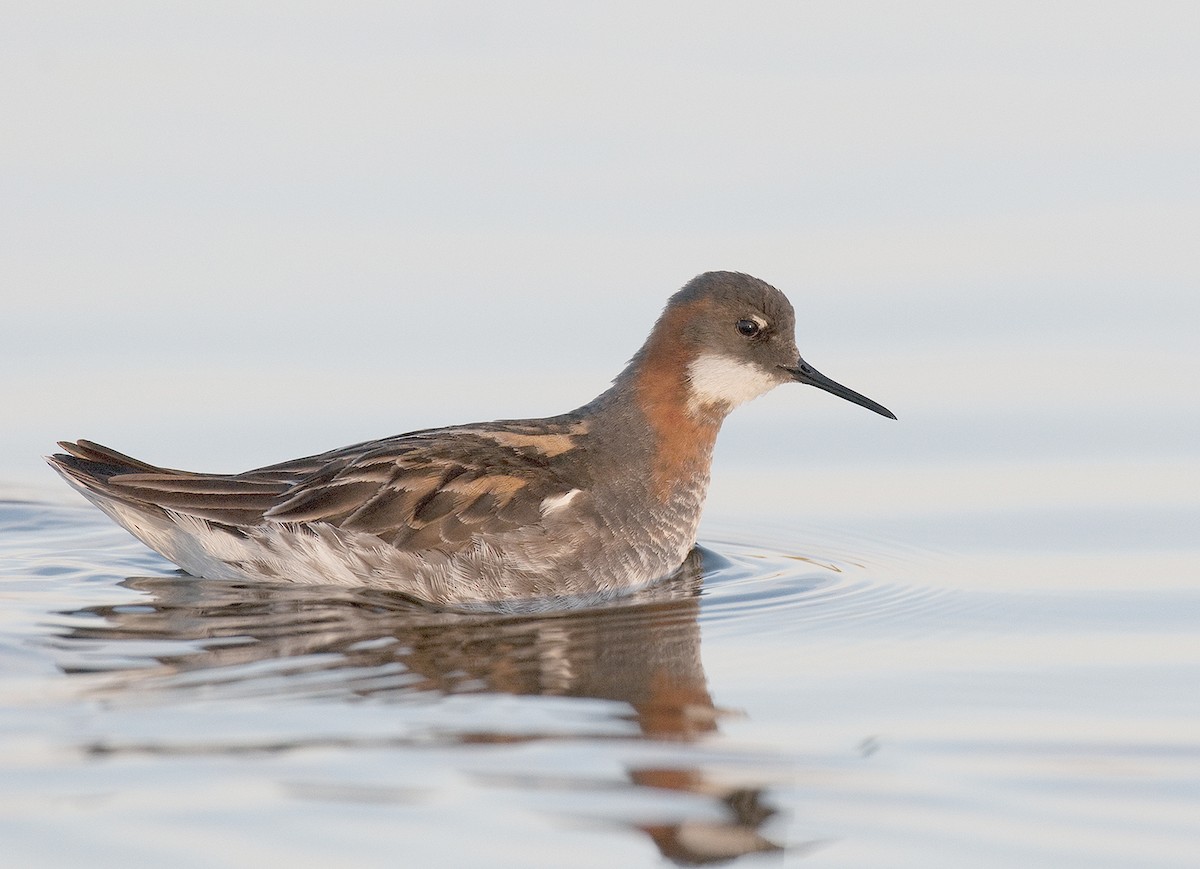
(503, 515)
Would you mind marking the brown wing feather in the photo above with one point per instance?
(427, 492)
(229, 500)
(433, 489)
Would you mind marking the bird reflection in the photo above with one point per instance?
(241, 639)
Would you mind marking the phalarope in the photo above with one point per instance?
(586, 505)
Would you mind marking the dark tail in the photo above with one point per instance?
(103, 474)
(86, 460)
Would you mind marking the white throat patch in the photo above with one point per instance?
(720, 379)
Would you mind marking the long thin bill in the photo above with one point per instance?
(805, 373)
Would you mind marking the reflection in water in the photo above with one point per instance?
(694, 842)
(234, 640)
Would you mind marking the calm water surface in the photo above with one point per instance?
(792, 697)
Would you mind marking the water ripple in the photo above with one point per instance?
(938, 689)
(169, 636)
(764, 582)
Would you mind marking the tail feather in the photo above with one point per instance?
(91, 451)
(105, 475)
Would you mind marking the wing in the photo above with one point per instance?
(424, 490)
(436, 490)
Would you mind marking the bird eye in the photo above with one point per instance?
(748, 328)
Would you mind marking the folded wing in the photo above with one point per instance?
(426, 491)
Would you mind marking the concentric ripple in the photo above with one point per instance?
(180, 631)
(759, 573)
(755, 577)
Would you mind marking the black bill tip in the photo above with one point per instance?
(805, 373)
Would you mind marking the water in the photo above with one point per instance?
(846, 703)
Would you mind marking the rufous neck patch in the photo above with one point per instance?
(684, 434)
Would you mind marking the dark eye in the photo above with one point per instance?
(748, 328)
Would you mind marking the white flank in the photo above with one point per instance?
(558, 502)
(718, 379)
